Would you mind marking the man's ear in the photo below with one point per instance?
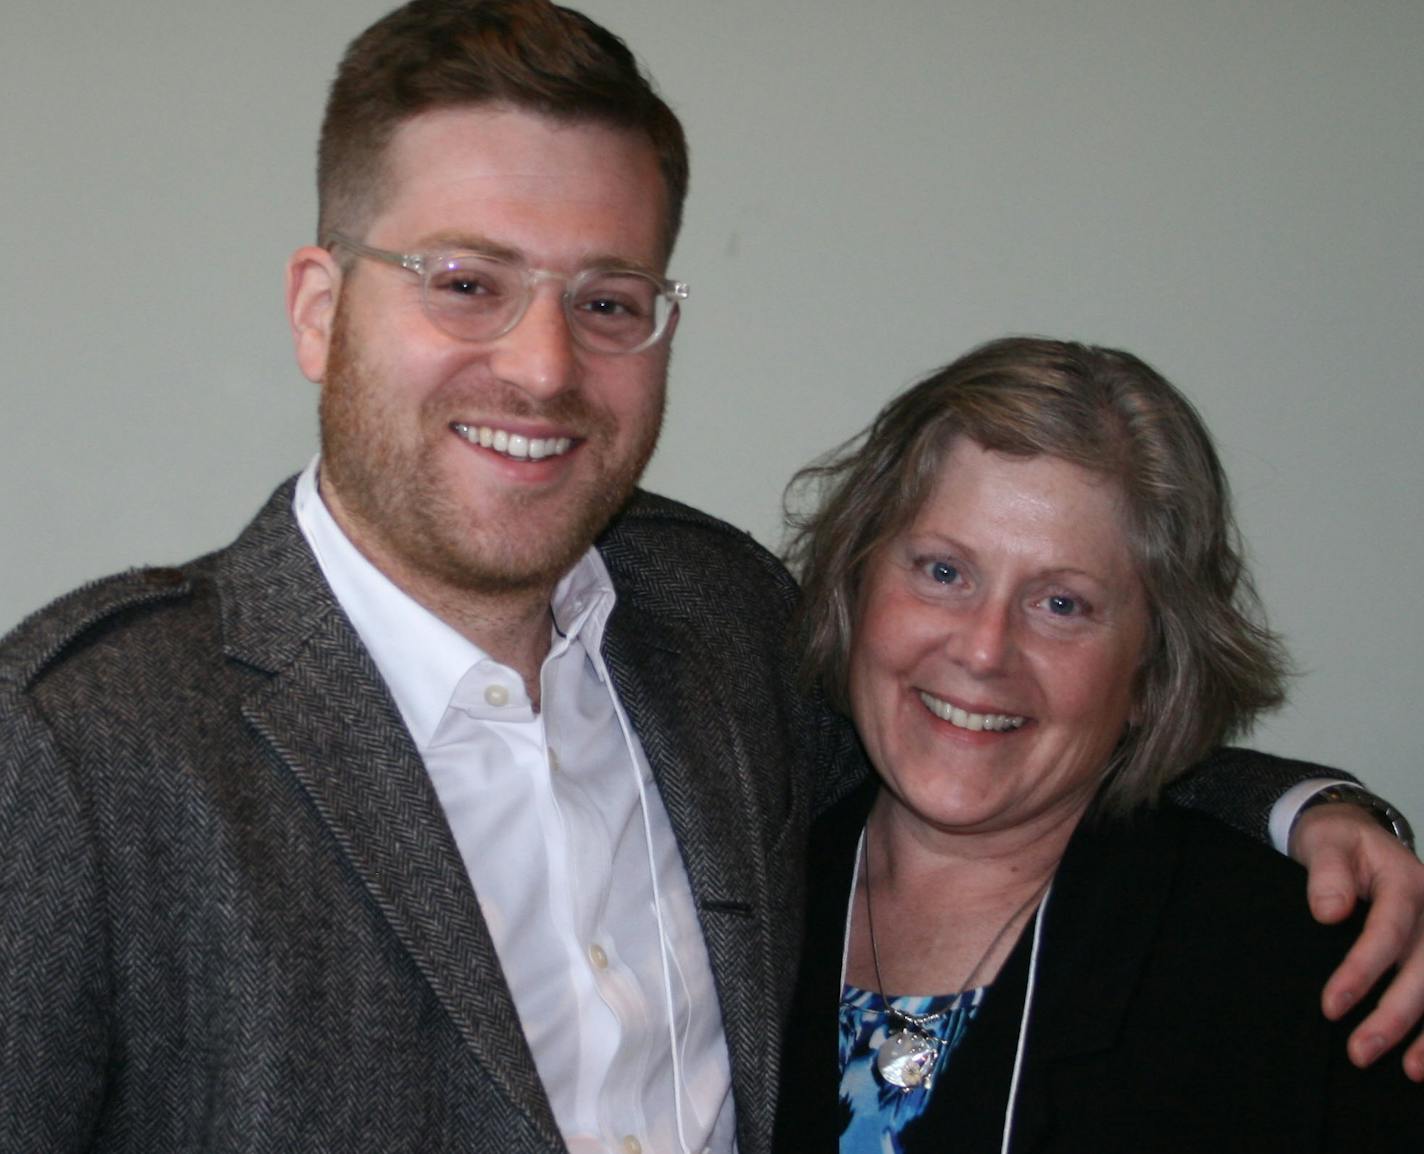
(313, 284)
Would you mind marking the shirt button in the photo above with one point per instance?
(631, 1145)
(497, 695)
(599, 958)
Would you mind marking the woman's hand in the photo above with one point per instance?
(1349, 856)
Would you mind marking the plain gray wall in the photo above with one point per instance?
(1232, 190)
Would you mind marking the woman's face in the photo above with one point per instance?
(997, 639)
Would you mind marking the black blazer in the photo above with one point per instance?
(1176, 1010)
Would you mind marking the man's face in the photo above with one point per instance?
(403, 404)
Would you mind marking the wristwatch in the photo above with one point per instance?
(1377, 807)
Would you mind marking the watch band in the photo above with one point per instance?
(1377, 807)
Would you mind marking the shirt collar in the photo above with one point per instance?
(420, 657)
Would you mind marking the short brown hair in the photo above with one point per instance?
(1211, 665)
(433, 54)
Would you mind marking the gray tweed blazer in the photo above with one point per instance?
(232, 915)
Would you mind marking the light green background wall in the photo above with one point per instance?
(1234, 190)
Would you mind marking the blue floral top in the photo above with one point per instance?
(879, 1111)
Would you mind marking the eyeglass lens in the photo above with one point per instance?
(478, 298)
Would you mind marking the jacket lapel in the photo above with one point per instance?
(689, 734)
(1106, 911)
(328, 717)
(1103, 913)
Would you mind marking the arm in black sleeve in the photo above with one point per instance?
(1239, 786)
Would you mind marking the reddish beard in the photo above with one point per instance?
(393, 503)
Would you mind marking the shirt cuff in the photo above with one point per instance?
(1289, 805)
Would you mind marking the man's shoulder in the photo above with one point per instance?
(94, 613)
(663, 539)
(165, 613)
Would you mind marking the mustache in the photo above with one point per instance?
(497, 399)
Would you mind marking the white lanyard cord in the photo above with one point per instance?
(1021, 1047)
(850, 910)
(663, 951)
(1023, 1022)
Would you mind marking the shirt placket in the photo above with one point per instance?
(598, 796)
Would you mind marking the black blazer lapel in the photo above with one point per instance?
(1103, 914)
(809, 1115)
(329, 719)
(1104, 911)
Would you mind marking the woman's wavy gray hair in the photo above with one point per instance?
(1211, 664)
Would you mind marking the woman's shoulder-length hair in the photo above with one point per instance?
(1211, 663)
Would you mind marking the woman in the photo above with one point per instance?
(1025, 587)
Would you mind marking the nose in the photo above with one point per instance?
(538, 355)
(985, 639)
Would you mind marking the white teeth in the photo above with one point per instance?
(976, 722)
(515, 445)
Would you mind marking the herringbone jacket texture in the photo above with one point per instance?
(232, 915)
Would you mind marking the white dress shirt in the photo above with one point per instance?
(1289, 805)
(570, 852)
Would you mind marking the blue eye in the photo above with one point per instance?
(943, 572)
(1062, 606)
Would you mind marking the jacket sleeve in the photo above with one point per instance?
(54, 1047)
(1239, 786)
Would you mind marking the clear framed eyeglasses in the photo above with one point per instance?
(478, 297)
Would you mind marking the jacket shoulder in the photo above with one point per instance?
(658, 542)
(81, 617)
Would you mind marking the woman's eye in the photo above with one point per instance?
(942, 572)
(1062, 606)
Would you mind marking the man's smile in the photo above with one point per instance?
(516, 445)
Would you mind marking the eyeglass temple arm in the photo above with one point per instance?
(412, 262)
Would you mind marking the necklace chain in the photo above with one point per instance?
(919, 1021)
(908, 1056)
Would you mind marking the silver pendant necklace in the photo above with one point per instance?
(909, 1054)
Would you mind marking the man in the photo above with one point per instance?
(412, 821)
